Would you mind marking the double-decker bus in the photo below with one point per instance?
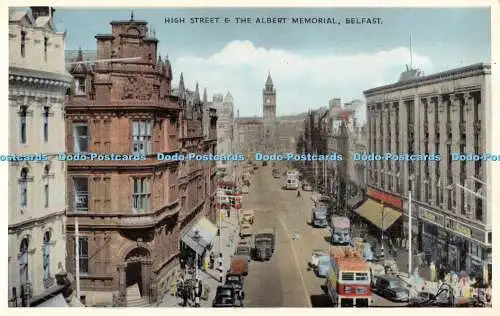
(348, 280)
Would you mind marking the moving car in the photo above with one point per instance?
(316, 254)
(247, 216)
(323, 266)
(319, 217)
(225, 296)
(264, 244)
(392, 288)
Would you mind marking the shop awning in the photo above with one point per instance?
(56, 301)
(372, 211)
(200, 236)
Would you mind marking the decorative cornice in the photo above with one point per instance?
(40, 82)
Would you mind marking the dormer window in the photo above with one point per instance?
(80, 87)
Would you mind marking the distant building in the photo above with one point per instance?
(270, 133)
(37, 86)
(225, 133)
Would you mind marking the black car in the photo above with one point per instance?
(235, 281)
(225, 296)
(392, 288)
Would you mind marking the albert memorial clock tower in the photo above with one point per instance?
(269, 115)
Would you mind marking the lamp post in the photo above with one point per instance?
(382, 233)
(196, 237)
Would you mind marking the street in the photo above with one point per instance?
(285, 281)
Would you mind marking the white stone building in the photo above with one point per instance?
(226, 140)
(441, 114)
(37, 187)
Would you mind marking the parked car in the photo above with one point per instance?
(306, 187)
(247, 216)
(235, 281)
(246, 230)
(316, 254)
(225, 296)
(322, 267)
(239, 265)
(244, 251)
(392, 288)
(422, 298)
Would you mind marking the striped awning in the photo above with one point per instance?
(381, 216)
(200, 236)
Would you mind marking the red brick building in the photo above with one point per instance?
(132, 213)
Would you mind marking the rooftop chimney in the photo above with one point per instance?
(42, 11)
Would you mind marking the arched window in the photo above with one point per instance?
(22, 124)
(23, 261)
(46, 256)
(23, 188)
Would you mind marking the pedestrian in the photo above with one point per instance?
(228, 212)
(185, 295)
(212, 260)
(241, 297)
(197, 292)
(298, 193)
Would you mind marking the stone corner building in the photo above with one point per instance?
(131, 214)
(37, 87)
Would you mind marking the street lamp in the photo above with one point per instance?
(196, 237)
(382, 233)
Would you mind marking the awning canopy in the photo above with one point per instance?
(56, 301)
(200, 236)
(382, 217)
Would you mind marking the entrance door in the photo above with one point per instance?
(134, 275)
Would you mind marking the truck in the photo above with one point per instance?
(341, 230)
(264, 244)
(349, 279)
(319, 217)
(292, 180)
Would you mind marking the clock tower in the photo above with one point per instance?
(269, 116)
(269, 99)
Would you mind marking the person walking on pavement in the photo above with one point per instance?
(241, 297)
(197, 291)
(298, 193)
(220, 269)
(212, 260)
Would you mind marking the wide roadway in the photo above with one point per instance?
(285, 281)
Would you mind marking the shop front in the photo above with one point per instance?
(433, 236)
(196, 241)
(468, 249)
(382, 210)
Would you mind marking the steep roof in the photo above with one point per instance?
(269, 81)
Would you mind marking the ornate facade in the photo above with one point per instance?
(37, 87)
(440, 114)
(132, 213)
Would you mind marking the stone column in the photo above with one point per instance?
(122, 285)
(146, 274)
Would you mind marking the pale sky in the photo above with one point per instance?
(310, 64)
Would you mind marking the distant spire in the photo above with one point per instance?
(132, 15)
(181, 82)
(80, 54)
(205, 99)
(269, 81)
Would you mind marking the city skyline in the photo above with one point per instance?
(238, 58)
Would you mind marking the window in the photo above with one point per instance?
(140, 197)
(46, 255)
(361, 276)
(22, 124)
(80, 137)
(347, 276)
(23, 262)
(80, 194)
(141, 137)
(46, 195)
(80, 86)
(83, 252)
(45, 45)
(23, 43)
(46, 124)
(23, 188)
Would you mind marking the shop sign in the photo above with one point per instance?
(430, 216)
(462, 230)
(386, 198)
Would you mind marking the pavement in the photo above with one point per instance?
(229, 231)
